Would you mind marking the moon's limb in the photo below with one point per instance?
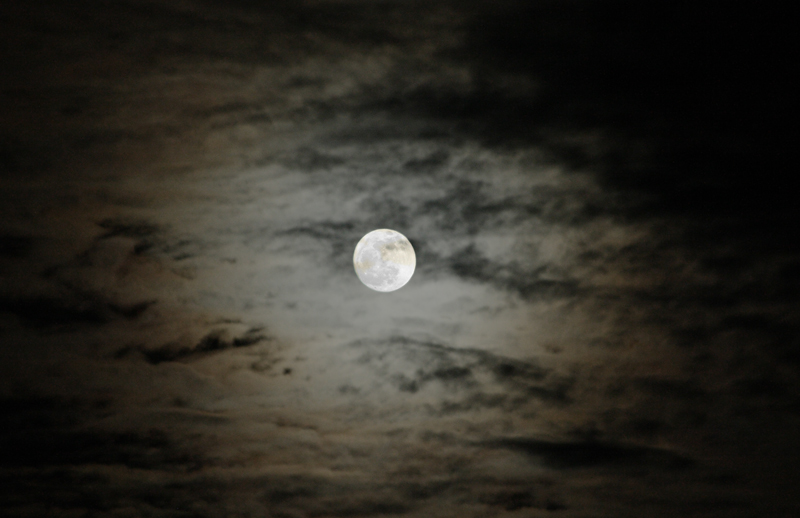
(384, 260)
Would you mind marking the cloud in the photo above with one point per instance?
(217, 340)
(469, 264)
(602, 321)
(15, 246)
(577, 454)
(72, 309)
(466, 379)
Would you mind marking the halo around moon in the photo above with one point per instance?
(384, 260)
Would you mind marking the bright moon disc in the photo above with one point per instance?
(384, 260)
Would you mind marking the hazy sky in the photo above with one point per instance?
(602, 322)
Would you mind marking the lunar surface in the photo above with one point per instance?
(384, 260)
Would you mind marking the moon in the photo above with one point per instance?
(384, 260)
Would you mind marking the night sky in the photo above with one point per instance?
(605, 315)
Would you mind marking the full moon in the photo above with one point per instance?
(384, 260)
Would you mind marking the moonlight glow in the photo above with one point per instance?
(384, 260)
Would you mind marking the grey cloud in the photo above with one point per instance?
(127, 228)
(15, 245)
(72, 308)
(151, 450)
(339, 235)
(217, 340)
(680, 389)
(42, 432)
(472, 378)
(310, 159)
(577, 454)
(603, 318)
(428, 163)
(469, 264)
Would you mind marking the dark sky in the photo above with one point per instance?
(604, 317)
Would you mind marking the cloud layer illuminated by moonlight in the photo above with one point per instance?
(603, 322)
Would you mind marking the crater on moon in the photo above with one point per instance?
(384, 260)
